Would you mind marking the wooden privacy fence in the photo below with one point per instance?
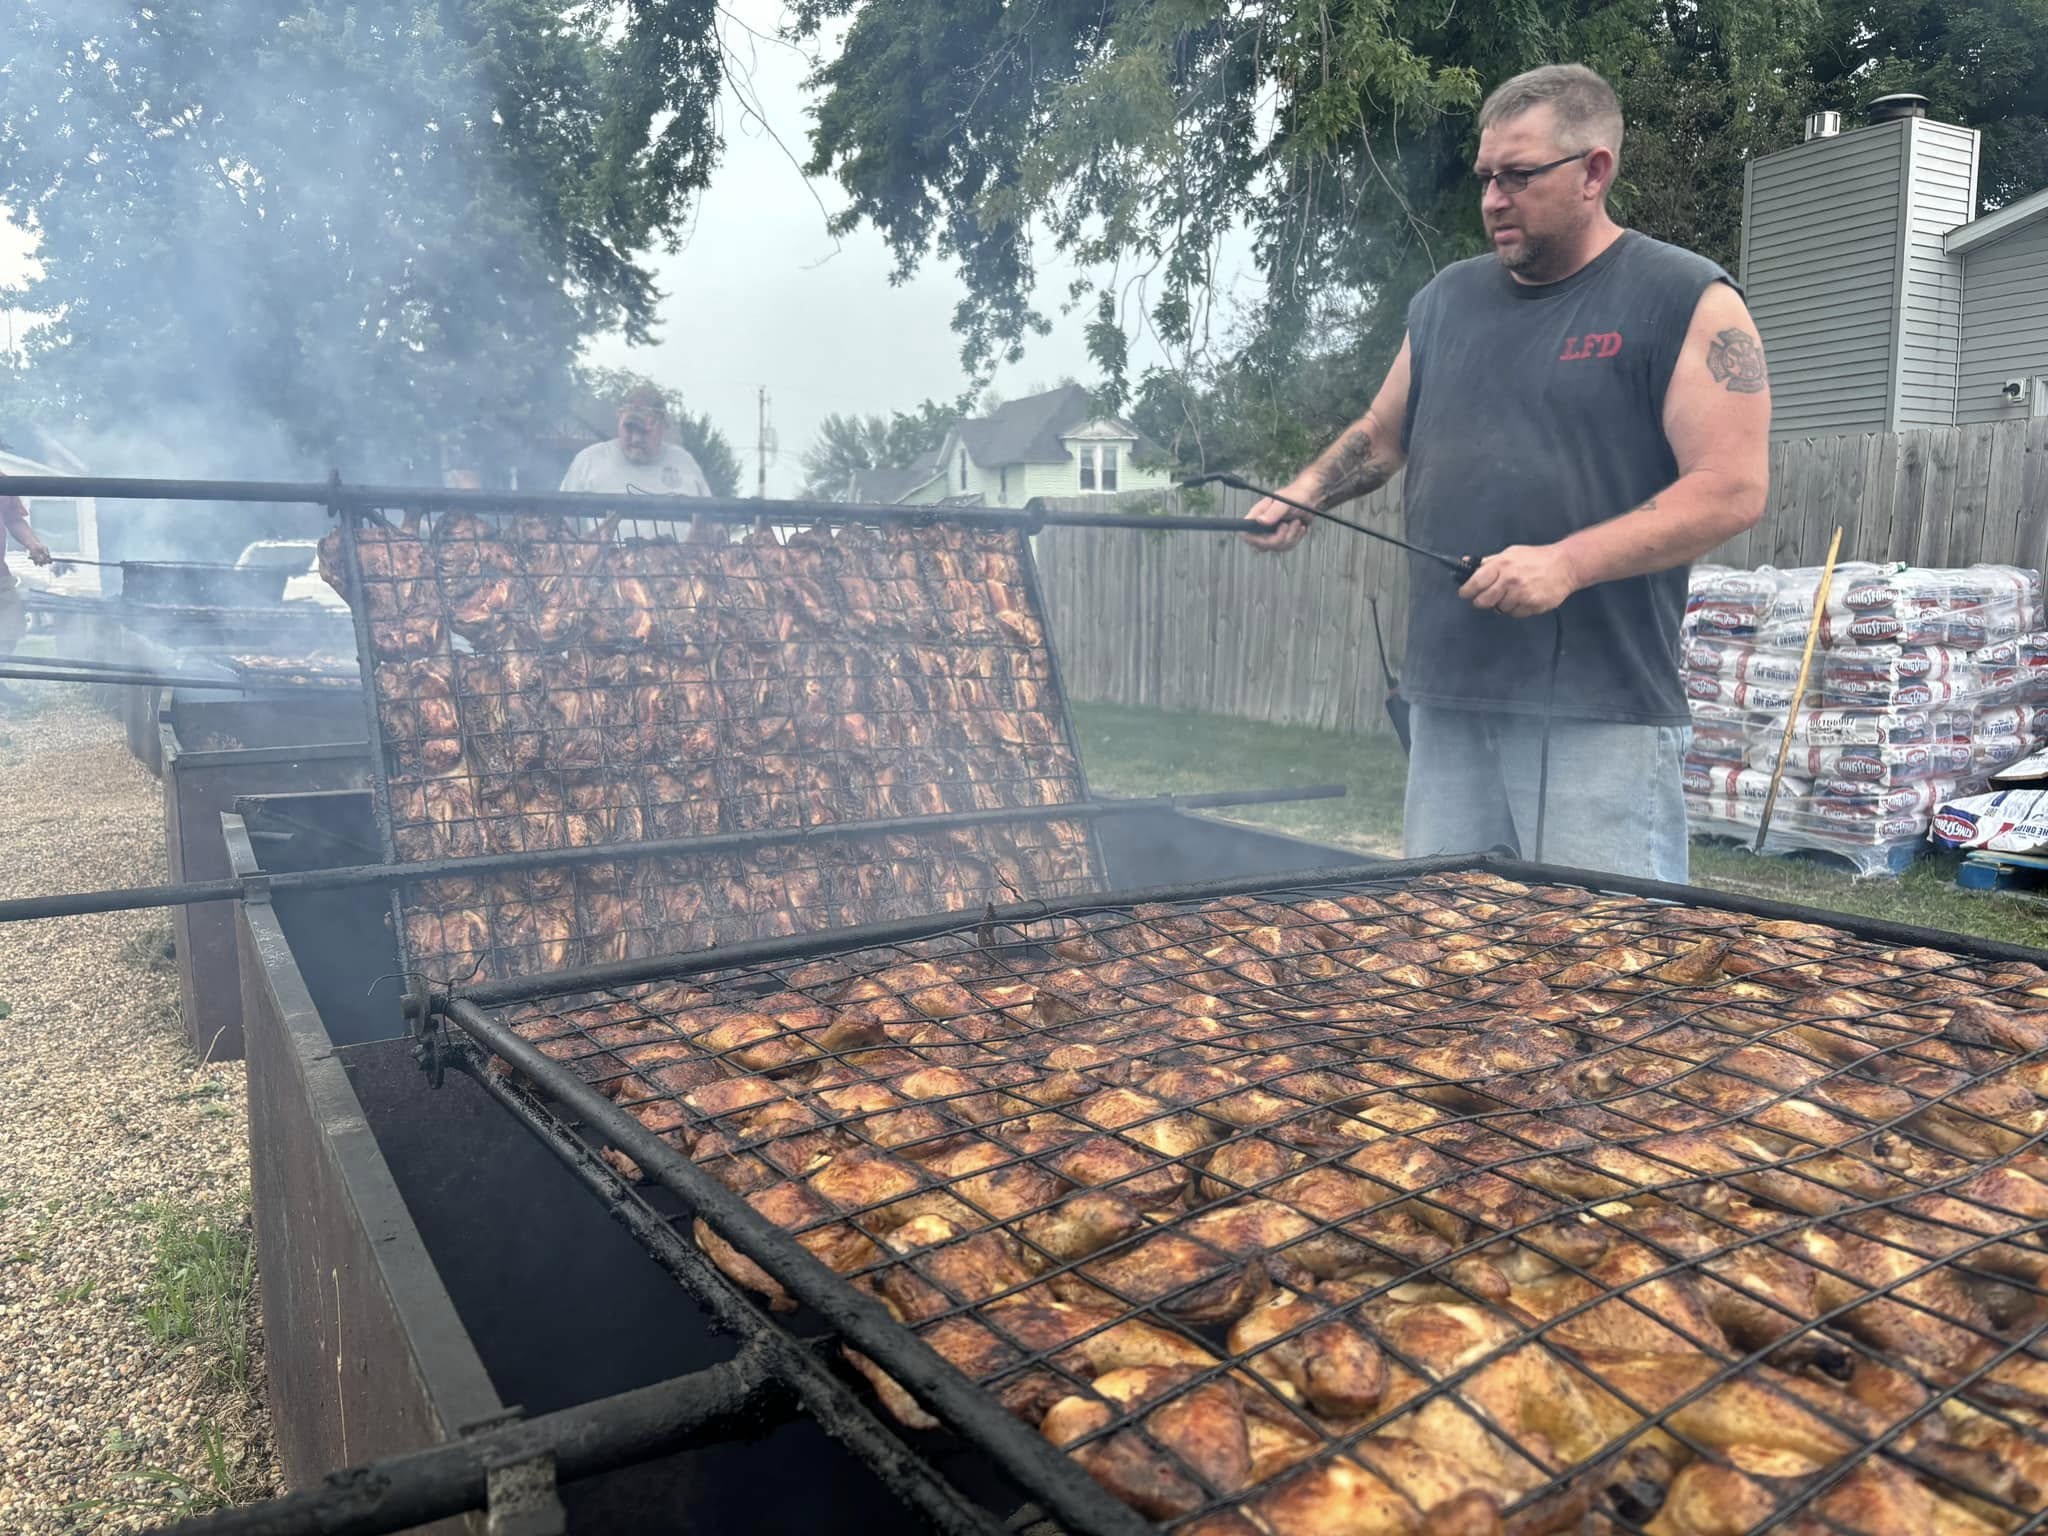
(1202, 622)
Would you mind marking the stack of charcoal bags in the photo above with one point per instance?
(1923, 683)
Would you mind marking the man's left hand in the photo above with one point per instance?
(1522, 581)
(39, 552)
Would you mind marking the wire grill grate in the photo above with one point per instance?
(1417, 1205)
(540, 685)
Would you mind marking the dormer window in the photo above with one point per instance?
(963, 469)
(1098, 464)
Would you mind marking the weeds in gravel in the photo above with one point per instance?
(79, 1292)
(221, 1486)
(6, 1008)
(201, 1287)
(154, 948)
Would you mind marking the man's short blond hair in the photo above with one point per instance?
(1587, 110)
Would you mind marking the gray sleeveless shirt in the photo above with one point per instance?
(1535, 411)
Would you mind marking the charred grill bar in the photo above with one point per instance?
(1395, 1203)
(338, 496)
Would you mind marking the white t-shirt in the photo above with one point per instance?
(604, 469)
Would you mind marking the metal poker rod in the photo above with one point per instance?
(229, 888)
(138, 677)
(1461, 565)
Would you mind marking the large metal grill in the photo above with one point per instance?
(539, 684)
(1438, 1202)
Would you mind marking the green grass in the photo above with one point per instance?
(161, 1489)
(1150, 752)
(201, 1287)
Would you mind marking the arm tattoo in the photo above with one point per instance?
(1737, 362)
(1351, 468)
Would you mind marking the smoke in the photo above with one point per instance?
(274, 243)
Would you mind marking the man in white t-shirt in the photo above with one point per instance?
(638, 461)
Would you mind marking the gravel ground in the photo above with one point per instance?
(114, 1143)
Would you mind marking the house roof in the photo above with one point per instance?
(34, 444)
(1996, 226)
(1028, 431)
(886, 487)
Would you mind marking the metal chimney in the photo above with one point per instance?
(1822, 125)
(1890, 108)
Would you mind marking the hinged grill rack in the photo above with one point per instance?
(537, 684)
(1437, 1197)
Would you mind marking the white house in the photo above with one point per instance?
(1883, 304)
(1054, 444)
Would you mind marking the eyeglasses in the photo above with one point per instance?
(1511, 182)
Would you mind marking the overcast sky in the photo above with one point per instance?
(760, 294)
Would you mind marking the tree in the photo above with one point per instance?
(1981, 62)
(689, 430)
(1132, 136)
(277, 238)
(847, 444)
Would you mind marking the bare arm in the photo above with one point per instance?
(1366, 455)
(15, 516)
(1717, 418)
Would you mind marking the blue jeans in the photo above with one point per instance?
(1616, 797)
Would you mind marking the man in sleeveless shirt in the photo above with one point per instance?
(1585, 408)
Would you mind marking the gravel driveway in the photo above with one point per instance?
(120, 1159)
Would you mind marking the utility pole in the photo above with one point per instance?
(761, 446)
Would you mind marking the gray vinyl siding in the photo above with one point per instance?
(2005, 322)
(1820, 263)
(1941, 178)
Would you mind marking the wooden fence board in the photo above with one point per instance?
(1203, 622)
(1909, 490)
(1877, 518)
(2000, 544)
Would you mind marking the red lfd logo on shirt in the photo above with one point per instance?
(1595, 344)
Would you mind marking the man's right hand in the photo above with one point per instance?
(1288, 525)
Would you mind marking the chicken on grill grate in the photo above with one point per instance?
(543, 686)
(1452, 1205)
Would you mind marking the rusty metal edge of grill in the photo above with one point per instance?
(779, 1253)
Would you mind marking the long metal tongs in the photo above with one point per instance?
(1462, 566)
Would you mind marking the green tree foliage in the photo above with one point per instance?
(1129, 138)
(1981, 62)
(847, 444)
(691, 430)
(288, 236)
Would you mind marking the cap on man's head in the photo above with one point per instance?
(645, 397)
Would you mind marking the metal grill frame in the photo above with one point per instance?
(1018, 1445)
(350, 507)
